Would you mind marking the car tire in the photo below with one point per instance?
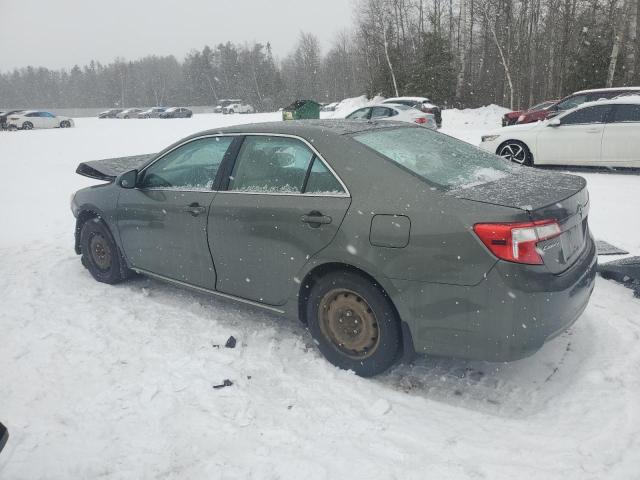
(126, 117)
(516, 151)
(27, 126)
(100, 254)
(65, 124)
(344, 302)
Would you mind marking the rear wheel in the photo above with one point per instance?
(516, 152)
(65, 124)
(354, 323)
(27, 126)
(100, 254)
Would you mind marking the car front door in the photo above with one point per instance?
(576, 141)
(621, 139)
(163, 221)
(282, 205)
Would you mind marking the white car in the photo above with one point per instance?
(396, 112)
(238, 108)
(605, 133)
(129, 113)
(31, 119)
(419, 103)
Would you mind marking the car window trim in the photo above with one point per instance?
(606, 120)
(228, 162)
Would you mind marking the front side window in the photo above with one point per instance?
(596, 114)
(437, 158)
(361, 114)
(271, 165)
(626, 113)
(571, 102)
(192, 166)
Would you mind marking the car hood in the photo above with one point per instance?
(109, 168)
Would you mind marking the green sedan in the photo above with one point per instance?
(384, 239)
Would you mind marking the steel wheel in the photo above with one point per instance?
(348, 322)
(514, 152)
(100, 251)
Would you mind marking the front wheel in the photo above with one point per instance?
(354, 323)
(27, 126)
(65, 124)
(517, 152)
(100, 254)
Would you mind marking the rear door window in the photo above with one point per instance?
(597, 114)
(321, 181)
(626, 113)
(441, 160)
(268, 164)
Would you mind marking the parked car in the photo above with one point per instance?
(31, 119)
(572, 101)
(238, 108)
(510, 118)
(4, 436)
(398, 113)
(129, 113)
(380, 237)
(604, 133)
(110, 113)
(421, 103)
(3, 118)
(225, 102)
(176, 112)
(154, 112)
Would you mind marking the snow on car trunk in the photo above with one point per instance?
(116, 382)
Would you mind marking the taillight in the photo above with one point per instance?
(420, 120)
(517, 242)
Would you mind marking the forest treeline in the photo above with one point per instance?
(457, 52)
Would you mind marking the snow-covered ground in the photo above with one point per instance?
(116, 382)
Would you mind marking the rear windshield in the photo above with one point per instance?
(438, 158)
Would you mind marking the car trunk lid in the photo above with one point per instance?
(544, 196)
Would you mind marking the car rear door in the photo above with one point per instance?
(621, 139)
(282, 205)
(163, 221)
(576, 141)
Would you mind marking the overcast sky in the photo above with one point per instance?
(61, 33)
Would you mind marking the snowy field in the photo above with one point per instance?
(116, 382)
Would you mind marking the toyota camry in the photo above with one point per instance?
(383, 238)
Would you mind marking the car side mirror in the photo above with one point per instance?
(554, 122)
(128, 179)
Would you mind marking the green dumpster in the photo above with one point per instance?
(301, 109)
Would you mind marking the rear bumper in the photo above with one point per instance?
(507, 316)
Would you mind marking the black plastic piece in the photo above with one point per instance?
(4, 436)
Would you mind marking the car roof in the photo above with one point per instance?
(612, 89)
(310, 128)
(631, 100)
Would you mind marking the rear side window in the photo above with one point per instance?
(361, 114)
(321, 181)
(271, 165)
(626, 113)
(437, 158)
(380, 112)
(597, 114)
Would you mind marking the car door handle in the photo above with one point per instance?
(315, 219)
(593, 130)
(194, 209)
